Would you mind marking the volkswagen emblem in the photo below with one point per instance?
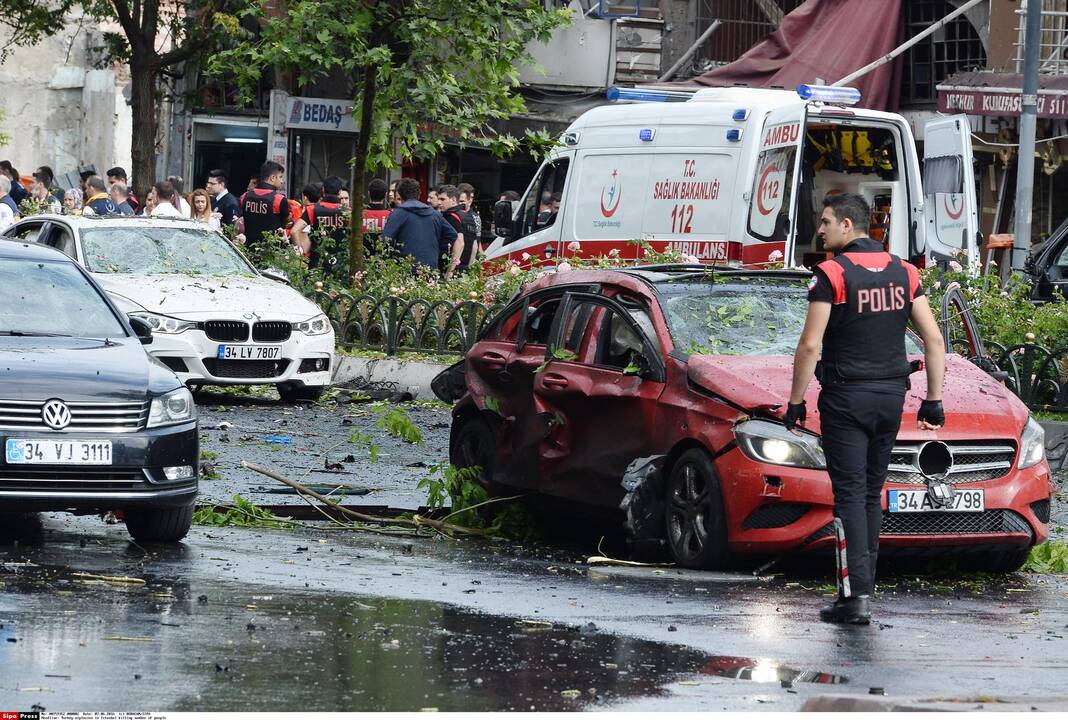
(56, 414)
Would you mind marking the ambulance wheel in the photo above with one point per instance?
(695, 518)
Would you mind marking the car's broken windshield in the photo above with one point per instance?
(161, 250)
(739, 318)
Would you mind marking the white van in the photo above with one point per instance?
(737, 176)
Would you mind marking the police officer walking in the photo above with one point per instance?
(265, 208)
(859, 305)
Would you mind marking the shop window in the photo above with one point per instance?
(952, 48)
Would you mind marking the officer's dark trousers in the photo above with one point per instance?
(859, 425)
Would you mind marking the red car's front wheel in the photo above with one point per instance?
(696, 521)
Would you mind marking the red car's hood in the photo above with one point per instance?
(976, 405)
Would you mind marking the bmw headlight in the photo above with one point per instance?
(1032, 444)
(318, 325)
(165, 324)
(772, 443)
(174, 407)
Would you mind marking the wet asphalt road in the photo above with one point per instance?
(242, 619)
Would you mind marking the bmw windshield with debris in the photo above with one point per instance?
(660, 390)
(88, 421)
(161, 250)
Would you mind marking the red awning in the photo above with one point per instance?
(827, 40)
(999, 94)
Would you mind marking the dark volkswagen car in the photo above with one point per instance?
(88, 421)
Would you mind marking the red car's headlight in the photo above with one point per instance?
(772, 443)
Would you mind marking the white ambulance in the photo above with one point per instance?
(737, 176)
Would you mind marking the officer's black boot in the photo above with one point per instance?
(850, 611)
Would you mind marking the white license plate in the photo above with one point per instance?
(57, 452)
(918, 501)
(249, 352)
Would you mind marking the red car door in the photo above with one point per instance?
(501, 369)
(598, 392)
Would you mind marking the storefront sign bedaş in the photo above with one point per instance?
(307, 113)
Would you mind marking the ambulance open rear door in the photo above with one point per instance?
(950, 209)
(772, 222)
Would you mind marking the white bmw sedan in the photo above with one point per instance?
(215, 319)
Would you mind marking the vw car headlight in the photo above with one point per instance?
(318, 325)
(1032, 444)
(174, 407)
(769, 442)
(164, 324)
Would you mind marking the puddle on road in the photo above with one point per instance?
(229, 648)
(766, 671)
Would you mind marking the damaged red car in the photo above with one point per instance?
(657, 392)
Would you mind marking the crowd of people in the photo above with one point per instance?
(442, 234)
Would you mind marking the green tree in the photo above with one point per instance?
(420, 71)
(157, 37)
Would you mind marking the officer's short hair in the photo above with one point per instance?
(45, 175)
(164, 190)
(311, 191)
(850, 206)
(450, 191)
(96, 183)
(408, 189)
(219, 175)
(332, 185)
(268, 169)
(117, 172)
(376, 190)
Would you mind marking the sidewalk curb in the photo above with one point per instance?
(869, 703)
(414, 376)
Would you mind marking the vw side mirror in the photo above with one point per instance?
(141, 329)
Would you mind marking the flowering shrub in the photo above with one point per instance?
(386, 275)
(1005, 315)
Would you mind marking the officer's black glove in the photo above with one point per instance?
(931, 413)
(795, 415)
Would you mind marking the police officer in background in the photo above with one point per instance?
(859, 305)
(265, 208)
(324, 216)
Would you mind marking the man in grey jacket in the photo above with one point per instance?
(416, 229)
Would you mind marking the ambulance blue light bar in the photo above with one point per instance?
(829, 94)
(617, 93)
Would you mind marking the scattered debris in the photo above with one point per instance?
(109, 579)
(278, 439)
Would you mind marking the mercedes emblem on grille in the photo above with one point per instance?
(56, 414)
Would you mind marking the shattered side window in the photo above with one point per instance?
(539, 321)
(161, 250)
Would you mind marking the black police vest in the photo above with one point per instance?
(261, 208)
(865, 337)
(327, 218)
